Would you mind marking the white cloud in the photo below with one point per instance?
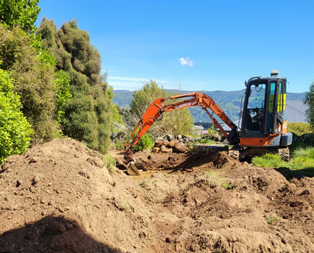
(186, 61)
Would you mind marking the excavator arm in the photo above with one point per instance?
(196, 99)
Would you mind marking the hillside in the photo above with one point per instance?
(229, 101)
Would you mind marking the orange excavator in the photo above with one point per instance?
(264, 125)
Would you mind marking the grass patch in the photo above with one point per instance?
(269, 160)
(302, 159)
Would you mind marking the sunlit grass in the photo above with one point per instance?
(301, 159)
(269, 160)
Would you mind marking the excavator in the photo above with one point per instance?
(262, 116)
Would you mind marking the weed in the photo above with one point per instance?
(272, 219)
(145, 184)
(110, 164)
(122, 205)
(226, 185)
(213, 180)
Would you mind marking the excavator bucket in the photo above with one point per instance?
(132, 170)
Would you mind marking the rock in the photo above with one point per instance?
(179, 148)
(158, 144)
(169, 137)
(35, 180)
(172, 143)
(34, 159)
(164, 149)
(156, 150)
(186, 137)
(217, 137)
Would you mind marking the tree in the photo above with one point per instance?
(309, 100)
(87, 114)
(33, 73)
(21, 13)
(15, 131)
(175, 122)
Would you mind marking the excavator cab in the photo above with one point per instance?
(264, 123)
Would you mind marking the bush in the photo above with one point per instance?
(299, 128)
(146, 142)
(15, 131)
(32, 70)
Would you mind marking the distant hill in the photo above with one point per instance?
(229, 101)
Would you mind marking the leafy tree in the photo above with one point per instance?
(175, 122)
(87, 114)
(19, 12)
(309, 100)
(15, 131)
(33, 73)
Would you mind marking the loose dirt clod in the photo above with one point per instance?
(65, 200)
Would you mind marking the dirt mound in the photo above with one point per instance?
(59, 197)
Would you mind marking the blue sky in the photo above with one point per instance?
(196, 44)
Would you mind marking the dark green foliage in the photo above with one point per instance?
(19, 12)
(87, 114)
(15, 131)
(309, 100)
(33, 71)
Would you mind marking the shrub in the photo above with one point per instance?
(146, 142)
(299, 128)
(15, 131)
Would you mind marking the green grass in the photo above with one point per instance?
(302, 159)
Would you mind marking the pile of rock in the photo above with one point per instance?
(165, 146)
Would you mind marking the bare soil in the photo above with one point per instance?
(59, 197)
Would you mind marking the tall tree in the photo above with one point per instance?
(175, 122)
(309, 100)
(87, 115)
(20, 12)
